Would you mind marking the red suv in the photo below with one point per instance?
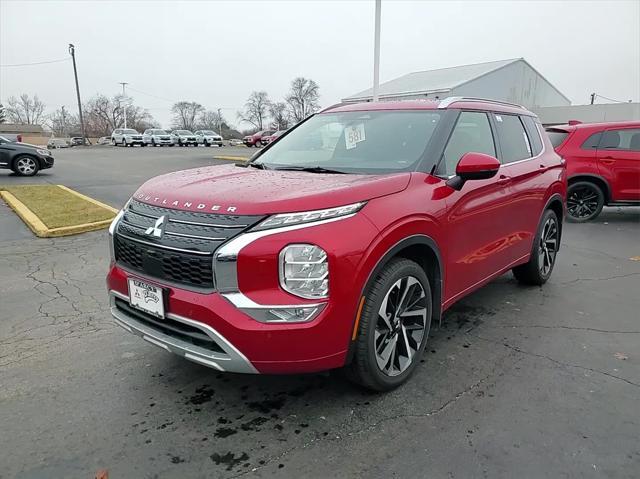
(256, 138)
(603, 165)
(339, 244)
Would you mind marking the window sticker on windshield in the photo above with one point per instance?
(353, 135)
(498, 118)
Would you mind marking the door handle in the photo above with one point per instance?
(503, 180)
(608, 160)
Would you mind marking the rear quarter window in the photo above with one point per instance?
(592, 142)
(534, 134)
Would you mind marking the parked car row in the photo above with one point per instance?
(159, 137)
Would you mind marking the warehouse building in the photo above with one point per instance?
(512, 80)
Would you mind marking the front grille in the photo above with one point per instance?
(183, 254)
(171, 327)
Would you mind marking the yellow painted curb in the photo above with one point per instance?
(32, 221)
(90, 200)
(231, 158)
(41, 230)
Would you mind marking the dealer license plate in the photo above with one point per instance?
(146, 297)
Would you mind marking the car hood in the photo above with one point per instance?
(29, 145)
(250, 191)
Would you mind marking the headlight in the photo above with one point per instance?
(288, 219)
(304, 271)
(44, 152)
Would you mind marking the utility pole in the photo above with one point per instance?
(219, 121)
(124, 100)
(376, 52)
(72, 51)
(593, 98)
(64, 122)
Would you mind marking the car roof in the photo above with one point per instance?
(453, 103)
(595, 126)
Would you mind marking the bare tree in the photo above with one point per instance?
(279, 114)
(25, 110)
(63, 123)
(104, 114)
(255, 109)
(3, 114)
(185, 114)
(302, 98)
(211, 120)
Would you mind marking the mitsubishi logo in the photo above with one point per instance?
(156, 230)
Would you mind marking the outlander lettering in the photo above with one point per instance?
(348, 237)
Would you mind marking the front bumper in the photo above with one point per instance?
(46, 162)
(228, 358)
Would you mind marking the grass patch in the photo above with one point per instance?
(57, 207)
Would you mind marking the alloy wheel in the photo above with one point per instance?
(582, 202)
(26, 166)
(548, 246)
(400, 326)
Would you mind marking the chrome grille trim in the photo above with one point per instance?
(190, 251)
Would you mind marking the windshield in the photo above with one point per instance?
(129, 132)
(159, 132)
(209, 132)
(183, 132)
(356, 142)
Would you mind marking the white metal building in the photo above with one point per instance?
(512, 80)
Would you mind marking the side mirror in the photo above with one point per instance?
(473, 166)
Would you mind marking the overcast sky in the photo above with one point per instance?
(216, 53)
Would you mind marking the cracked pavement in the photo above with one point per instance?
(517, 382)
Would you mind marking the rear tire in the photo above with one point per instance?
(543, 254)
(584, 201)
(394, 327)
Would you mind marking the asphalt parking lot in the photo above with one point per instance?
(518, 382)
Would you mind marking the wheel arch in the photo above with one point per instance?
(556, 204)
(598, 180)
(423, 250)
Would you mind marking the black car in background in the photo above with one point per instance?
(22, 158)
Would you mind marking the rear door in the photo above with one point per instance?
(619, 161)
(479, 222)
(523, 165)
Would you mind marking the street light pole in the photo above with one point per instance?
(72, 51)
(376, 52)
(124, 100)
(220, 121)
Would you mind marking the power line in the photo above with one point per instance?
(35, 63)
(173, 101)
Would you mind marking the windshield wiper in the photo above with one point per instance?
(310, 169)
(247, 164)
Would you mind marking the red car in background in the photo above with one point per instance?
(603, 165)
(271, 138)
(256, 138)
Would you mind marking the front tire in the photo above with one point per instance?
(394, 327)
(585, 201)
(543, 255)
(25, 166)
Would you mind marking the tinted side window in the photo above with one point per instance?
(591, 143)
(471, 133)
(534, 134)
(627, 139)
(513, 139)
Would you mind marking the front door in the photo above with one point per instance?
(619, 161)
(479, 227)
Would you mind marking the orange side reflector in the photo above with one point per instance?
(355, 326)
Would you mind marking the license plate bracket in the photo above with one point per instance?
(146, 297)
